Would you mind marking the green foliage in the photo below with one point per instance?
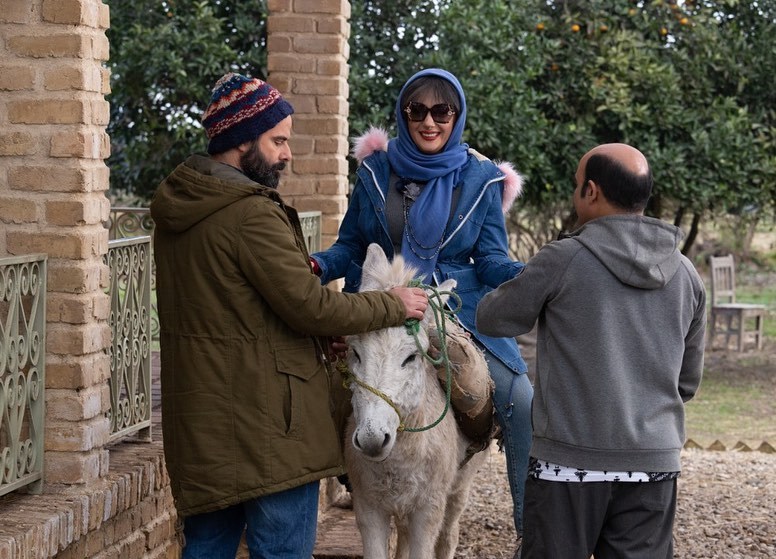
(388, 43)
(165, 57)
(688, 82)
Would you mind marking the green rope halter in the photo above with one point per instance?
(412, 326)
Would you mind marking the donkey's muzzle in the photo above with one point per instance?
(372, 445)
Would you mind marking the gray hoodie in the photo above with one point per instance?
(622, 320)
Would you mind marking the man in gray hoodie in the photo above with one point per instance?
(621, 323)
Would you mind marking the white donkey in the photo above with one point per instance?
(420, 478)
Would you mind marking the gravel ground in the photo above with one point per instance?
(726, 508)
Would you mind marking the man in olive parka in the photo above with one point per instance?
(246, 407)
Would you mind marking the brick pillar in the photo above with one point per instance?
(53, 181)
(307, 58)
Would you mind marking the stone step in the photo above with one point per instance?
(338, 536)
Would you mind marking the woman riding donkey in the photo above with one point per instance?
(438, 203)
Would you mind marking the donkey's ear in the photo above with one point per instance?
(444, 290)
(446, 287)
(375, 257)
(376, 266)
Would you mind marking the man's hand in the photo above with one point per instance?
(415, 300)
(338, 348)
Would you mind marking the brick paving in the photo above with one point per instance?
(338, 536)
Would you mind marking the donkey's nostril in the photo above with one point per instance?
(386, 440)
(355, 442)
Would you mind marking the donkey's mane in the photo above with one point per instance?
(384, 275)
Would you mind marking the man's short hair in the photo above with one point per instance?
(622, 187)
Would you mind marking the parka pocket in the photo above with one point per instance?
(296, 385)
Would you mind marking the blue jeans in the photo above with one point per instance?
(279, 526)
(512, 400)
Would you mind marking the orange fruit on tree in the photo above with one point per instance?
(575, 28)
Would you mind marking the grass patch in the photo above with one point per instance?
(761, 295)
(736, 400)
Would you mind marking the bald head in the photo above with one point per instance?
(612, 178)
(627, 156)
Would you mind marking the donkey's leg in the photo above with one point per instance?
(425, 524)
(375, 526)
(447, 541)
(402, 538)
(456, 503)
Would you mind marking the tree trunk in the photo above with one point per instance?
(678, 216)
(749, 226)
(692, 235)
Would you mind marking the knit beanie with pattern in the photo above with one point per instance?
(241, 109)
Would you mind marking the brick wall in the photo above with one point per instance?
(53, 180)
(308, 62)
(96, 502)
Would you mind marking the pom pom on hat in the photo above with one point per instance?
(241, 109)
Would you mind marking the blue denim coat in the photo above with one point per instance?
(474, 251)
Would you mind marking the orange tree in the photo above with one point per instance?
(689, 83)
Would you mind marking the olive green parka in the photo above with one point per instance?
(246, 404)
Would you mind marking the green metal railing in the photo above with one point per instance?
(22, 371)
(129, 261)
(311, 228)
(125, 223)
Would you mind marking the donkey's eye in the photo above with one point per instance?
(409, 360)
(356, 355)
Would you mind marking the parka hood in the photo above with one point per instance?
(640, 251)
(196, 189)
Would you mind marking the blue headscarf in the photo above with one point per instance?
(429, 214)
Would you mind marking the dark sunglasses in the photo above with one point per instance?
(441, 113)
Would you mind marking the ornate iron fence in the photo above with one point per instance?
(22, 371)
(129, 261)
(126, 222)
(311, 227)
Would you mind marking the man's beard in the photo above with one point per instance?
(258, 169)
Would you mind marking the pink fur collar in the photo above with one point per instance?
(376, 139)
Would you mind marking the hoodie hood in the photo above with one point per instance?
(640, 251)
(196, 189)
